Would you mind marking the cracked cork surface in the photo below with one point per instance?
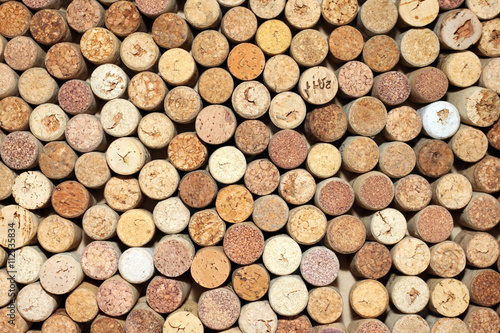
(448, 297)
(369, 298)
(325, 305)
(251, 282)
(166, 295)
(409, 294)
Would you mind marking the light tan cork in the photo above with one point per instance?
(91, 169)
(32, 54)
(323, 160)
(177, 67)
(339, 13)
(469, 144)
(419, 47)
(35, 304)
(411, 256)
(387, 226)
(412, 193)
(377, 16)
(83, 15)
(325, 304)
(227, 165)
(355, 79)
(184, 320)
(345, 43)
(14, 114)
(57, 160)
(60, 319)
(6, 293)
(287, 110)
(24, 266)
(417, 14)
(488, 42)
(57, 234)
(109, 81)
(318, 85)
(448, 297)
(173, 255)
(186, 152)
(366, 116)
(210, 267)
(302, 14)
(458, 29)
(452, 191)
(61, 273)
(116, 296)
(345, 234)
(482, 175)
(439, 324)
(481, 248)
(306, 224)
(100, 259)
(215, 85)
(32, 190)
(397, 159)
(463, 69)
(158, 179)
(481, 213)
(215, 42)
(36, 86)
(119, 118)
(139, 52)
(24, 222)
(369, 298)
(239, 24)
(266, 10)
(206, 228)
(156, 130)
(477, 106)
(482, 318)
(399, 323)
(182, 104)
(381, 53)
(147, 91)
(204, 15)
(409, 294)
(100, 46)
(403, 124)
(297, 186)
(366, 325)
(490, 77)
(81, 304)
(127, 155)
(135, 227)
(447, 259)
(123, 18)
(288, 295)
(48, 122)
(359, 154)
(309, 47)
(171, 216)
(7, 177)
(278, 247)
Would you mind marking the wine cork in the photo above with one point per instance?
(411, 256)
(306, 224)
(287, 149)
(252, 137)
(377, 17)
(246, 61)
(480, 318)
(309, 48)
(100, 260)
(104, 324)
(270, 213)
(143, 60)
(203, 16)
(215, 124)
(206, 228)
(440, 120)
(91, 169)
(433, 224)
(458, 29)
(338, 14)
(318, 85)
(16, 19)
(267, 10)
(440, 325)
(14, 114)
(6, 293)
(447, 259)
(143, 318)
(186, 152)
(481, 213)
(487, 44)
(173, 255)
(282, 255)
(392, 88)
(71, 199)
(184, 320)
(281, 73)
(324, 305)
(109, 81)
(24, 266)
(288, 295)
(171, 216)
(33, 54)
(213, 41)
(489, 75)
(57, 234)
(251, 282)
(32, 190)
(355, 79)
(372, 261)
(359, 154)
(452, 191)
(227, 165)
(75, 97)
(412, 193)
(477, 106)
(7, 177)
(334, 196)
(378, 48)
(369, 298)
(61, 273)
(61, 320)
(147, 91)
(48, 122)
(153, 9)
(257, 316)
(83, 15)
(230, 4)
(9, 81)
(182, 104)
(215, 85)
(135, 227)
(123, 18)
(158, 179)
(409, 294)
(419, 47)
(373, 190)
(483, 285)
(323, 160)
(345, 234)
(24, 223)
(345, 43)
(239, 24)
(57, 160)
(127, 155)
(251, 99)
(463, 69)
(3, 43)
(81, 304)
(403, 124)
(295, 323)
(387, 226)
(319, 266)
(165, 295)
(116, 296)
(119, 118)
(170, 31)
(136, 265)
(156, 130)
(287, 110)
(482, 175)
(40, 4)
(100, 46)
(417, 15)
(64, 61)
(297, 187)
(449, 4)
(397, 159)
(35, 304)
(406, 323)
(219, 309)
(197, 189)
(243, 243)
(481, 249)
(273, 37)
(36, 86)
(428, 85)
(210, 267)
(366, 116)
(448, 297)
(434, 157)
(234, 203)
(20, 150)
(367, 325)
(327, 123)
(49, 27)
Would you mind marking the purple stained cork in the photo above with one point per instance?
(173, 255)
(334, 196)
(20, 150)
(100, 260)
(243, 243)
(219, 309)
(84, 133)
(75, 97)
(319, 266)
(116, 296)
(166, 295)
(287, 149)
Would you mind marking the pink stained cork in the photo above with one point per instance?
(319, 266)
(166, 295)
(287, 149)
(373, 190)
(243, 243)
(334, 196)
(116, 296)
(173, 255)
(100, 260)
(75, 97)
(215, 124)
(20, 150)
(433, 224)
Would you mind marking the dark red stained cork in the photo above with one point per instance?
(485, 287)
(197, 189)
(76, 97)
(327, 123)
(243, 243)
(165, 295)
(428, 84)
(433, 224)
(287, 149)
(20, 150)
(373, 190)
(298, 324)
(334, 196)
(392, 88)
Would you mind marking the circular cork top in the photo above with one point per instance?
(378, 16)
(139, 52)
(397, 159)
(234, 203)
(170, 31)
(243, 243)
(173, 255)
(14, 19)
(339, 13)
(412, 193)
(36, 86)
(8, 81)
(282, 255)
(48, 122)
(164, 295)
(469, 144)
(403, 124)
(156, 130)
(140, 320)
(158, 179)
(298, 323)
(116, 297)
(99, 45)
(252, 137)
(309, 48)
(135, 227)
(246, 61)
(32, 190)
(136, 265)
(372, 261)
(355, 79)
(367, 116)
(64, 61)
(81, 304)
(119, 117)
(219, 309)
(302, 14)
(273, 37)
(24, 222)
(109, 81)
(75, 97)
(485, 174)
(127, 155)
(215, 124)
(489, 39)
(481, 249)
(251, 99)
(411, 256)
(287, 149)
(261, 177)
(327, 123)
(318, 85)
(60, 274)
(20, 150)
(99, 222)
(288, 295)
(387, 226)
(281, 73)
(419, 16)
(482, 107)
(297, 186)
(206, 228)
(83, 15)
(251, 282)
(429, 85)
(369, 298)
(48, 27)
(449, 297)
(306, 224)
(323, 160)
(447, 259)
(122, 18)
(239, 24)
(7, 177)
(57, 234)
(210, 267)
(100, 260)
(345, 234)
(253, 310)
(381, 53)
(266, 10)
(325, 306)
(345, 43)
(215, 85)
(107, 324)
(171, 216)
(392, 88)
(434, 224)
(155, 7)
(227, 165)
(186, 152)
(485, 288)
(449, 32)
(359, 154)
(203, 15)
(91, 169)
(177, 67)
(270, 213)
(453, 191)
(182, 104)
(14, 114)
(409, 294)
(483, 319)
(419, 47)
(319, 266)
(197, 189)
(210, 48)
(25, 46)
(434, 157)
(334, 196)
(70, 199)
(147, 91)
(460, 75)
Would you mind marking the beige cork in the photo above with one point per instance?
(411, 256)
(20, 150)
(282, 255)
(334, 196)
(204, 15)
(387, 226)
(173, 255)
(6, 293)
(345, 43)
(251, 282)
(49, 27)
(434, 157)
(477, 106)
(171, 216)
(288, 295)
(409, 294)
(189, 305)
(169, 31)
(219, 309)
(270, 213)
(215, 42)
(309, 47)
(24, 223)
(57, 234)
(433, 224)
(366, 116)
(14, 114)
(147, 91)
(377, 16)
(184, 320)
(339, 13)
(484, 11)
(369, 298)
(327, 123)
(323, 160)
(135, 227)
(116, 296)
(215, 85)
(186, 152)
(105, 324)
(483, 286)
(412, 193)
(34, 304)
(64, 61)
(239, 24)
(61, 273)
(100, 46)
(91, 169)
(127, 155)
(81, 304)
(197, 189)
(392, 88)
(48, 122)
(397, 159)
(306, 224)
(483, 174)
(372, 261)
(182, 104)
(246, 61)
(57, 160)
(3, 43)
(281, 73)
(488, 43)
(447, 259)
(365, 326)
(355, 79)
(359, 154)
(266, 10)
(32, 190)
(32, 54)
(109, 81)
(139, 52)
(177, 67)
(206, 228)
(428, 85)
(403, 124)
(482, 318)
(419, 47)
(381, 53)
(16, 19)
(324, 305)
(463, 69)
(287, 110)
(123, 18)
(83, 15)
(481, 213)
(490, 76)
(230, 3)
(399, 323)
(448, 297)
(302, 14)
(452, 191)
(153, 8)
(36, 86)
(318, 85)
(345, 234)
(40, 4)
(210, 267)
(273, 37)
(297, 186)
(165, 295)
(227, 165)
(70, 199)
(119, 118)
(156, 130)
(24, 266)
(252, 137)
(373, 190)
(100, 259)
(481, 249)
(417, 14)
(458, 29)
(158, 179)
(332, 328)
(234, 203)
(7, 177)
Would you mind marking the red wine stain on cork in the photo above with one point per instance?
(115, 298)
(164, 295)
(243, 243)
(435, 224)
(287, 149)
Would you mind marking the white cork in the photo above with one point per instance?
(156, 130)
(282, 255)
(251, 99)
(440, 120)
(126, 156)
(287, 110)
(25, 268)
(8, 81)
(35, 304)
(178, 68)
(99, 222)
(484, 11)
(159, 179)
(387, 226)
(288, 295)
(227, 165)
(171, 216)
(323, 160)
(61, 273)
(24, 223)
(136, 264)
(257, 317)
(267, 9)
(318, 85)
(409, 294)
(7, 293)
(48, 122)
(119, 118)
(32, 190)
(139, 51)
(109, 81)
(36, 86)
(457, 29)
(411, 256)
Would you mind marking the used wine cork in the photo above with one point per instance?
(182, 104)
(186, 152)
(458, 29)
(334, 196)
(71, 199)
(7, 177)
(338, 14)
(246, 61)
(3, 43)
(419, 47)
(24, 223)
(9, 81)
(481, 213)
(319, 266)
(483, 285)
(36, 86)
(108, 81)
(14, 114)
(40, 4)
(257, 316)
(250, 282)
(215, 124)
(345, 234)
(287, 110)
(452, 191)
(24, 266)
(206, 228)
(282, 255)
(345, 43)
(373, 190)
(487, 42)
(173, 255)
(294, 323)
(482, 175)
(243, 243)
(489, 75)
(135, 227)
(203, 16)
(197, 189)
(127, 155)
(270, 213)
(104, 324)
(493, 135)
(448, 297)
(227, 165)
(32, 190)
(83, 15)
(123, 18)
(323, 160)
(230, 4)
(411, 256)
(20, 150)
(64, 61)
(119, 118)
(327, 123)
(61, 273)
(403, 124)
(481, 249)
(158, 179)
(372, 261)
(219, 309)
(439, 324)
(61, 320)
(171, 216)
(381, 53)
(156, 130)
(273, 37)
(359, 154)
(406, 323)
(306, 224)
(480, 318)
(463, 69)
(252, 137)
(440, 120)
(35, 304)
(419, 14)
(369, 298)
(100, 46)
(6, 293)
(210, 267)
(433, 224)
(215, 42)
(170, 31)
(18, 323)
(100, 260)
(447, 259)
(324, 305)
(234, 204)
(377, 16)
(49, 27)
(409, 294)
(288, 295)
(147, 91)
(318, 85)
(302, 15)
(48, 122)
(57, 234)
(251, 99)
(397, 159)
(116, 296)
(287, 149)
(309, 47)
(392, 88)
(143, 60)
(434, 157)
(387, 226)
(355, 79)
(75, 97)
(165, 295)
(33, 54)
(57, 160)
(267, 10)
(16, 19)
(367, 325)
(184, 320)
(477, 106)
(154, 9)
(143, 318)
(366, 116)
(412, 193)
(91, 169)
(81, 304)
(215, 85)
(297, 187)
(136, 264)
(428, 85)
(449, 4)
(281, 73)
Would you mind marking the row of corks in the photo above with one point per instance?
(224, 166)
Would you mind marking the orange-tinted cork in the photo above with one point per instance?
(71, 199)
(49, 27)
(186, 152)
(170, 31)
(211, 267)
(215, 85)
(197, 189)
(234, 203)
(206, 228)
(14, 19)
(345, 43)
(246, 61)
(64, 61)
(345, 234)
(381, 53)
(14, 114)
(251, 282)
(123, 18)
(372, 261)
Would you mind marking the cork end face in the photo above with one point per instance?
(115, 297)
(20, 150)
(434, 224)
(319, 266)
(346, 43)
(345, 234)
(327, 123)
(197, 189)
(243, 243)
(164, 295)
(369, 298)
(485, 288)
(335, 197)
(219, 309)
(287, 149)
